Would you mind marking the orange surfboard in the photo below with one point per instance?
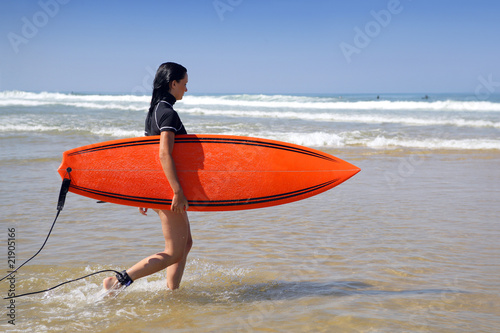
(217, 172)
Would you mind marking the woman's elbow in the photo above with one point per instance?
(164, 154)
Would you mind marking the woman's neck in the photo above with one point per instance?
(169, 98)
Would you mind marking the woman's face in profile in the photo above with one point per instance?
(178, 89)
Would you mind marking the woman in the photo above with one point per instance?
(169, 86)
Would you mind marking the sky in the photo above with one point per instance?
(252, 46)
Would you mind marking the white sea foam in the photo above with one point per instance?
(27, 128)
(359, 122)
(55, 97)
(141, 103)
(119, 102)
(350, 118)
(296, 102)
(434, 143)
(118, 132)
(371, 140)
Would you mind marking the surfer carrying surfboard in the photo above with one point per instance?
(169, 86)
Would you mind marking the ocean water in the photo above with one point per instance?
(410, 244)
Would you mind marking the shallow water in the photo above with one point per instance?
(418, 255)
(409, 244)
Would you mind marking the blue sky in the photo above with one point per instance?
(251, 46)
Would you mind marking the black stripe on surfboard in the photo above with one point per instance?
(181, 139)
(207, 203)
(258, 143)
(259, 200)
(116, 145)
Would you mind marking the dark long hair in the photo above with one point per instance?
(166, 73)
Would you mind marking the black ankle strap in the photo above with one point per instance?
(124, 279)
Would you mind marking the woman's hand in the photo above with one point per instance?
(143, 211)
(179, 203)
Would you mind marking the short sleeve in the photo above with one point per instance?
(170, 121)
(164, 118)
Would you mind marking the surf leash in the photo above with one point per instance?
(61, 284)
(60, 205)
(122, 277)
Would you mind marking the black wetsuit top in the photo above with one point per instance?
(164, 118)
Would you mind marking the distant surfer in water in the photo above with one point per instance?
(169, 86)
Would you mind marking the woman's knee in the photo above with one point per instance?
(175, 255)
(189, 245)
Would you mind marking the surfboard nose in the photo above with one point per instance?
(354, 171)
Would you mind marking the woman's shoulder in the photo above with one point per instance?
(165, 104)
(164, 107)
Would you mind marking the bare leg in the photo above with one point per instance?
(176, 231)
(175, 271)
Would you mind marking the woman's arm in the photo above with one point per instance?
(179, 201)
